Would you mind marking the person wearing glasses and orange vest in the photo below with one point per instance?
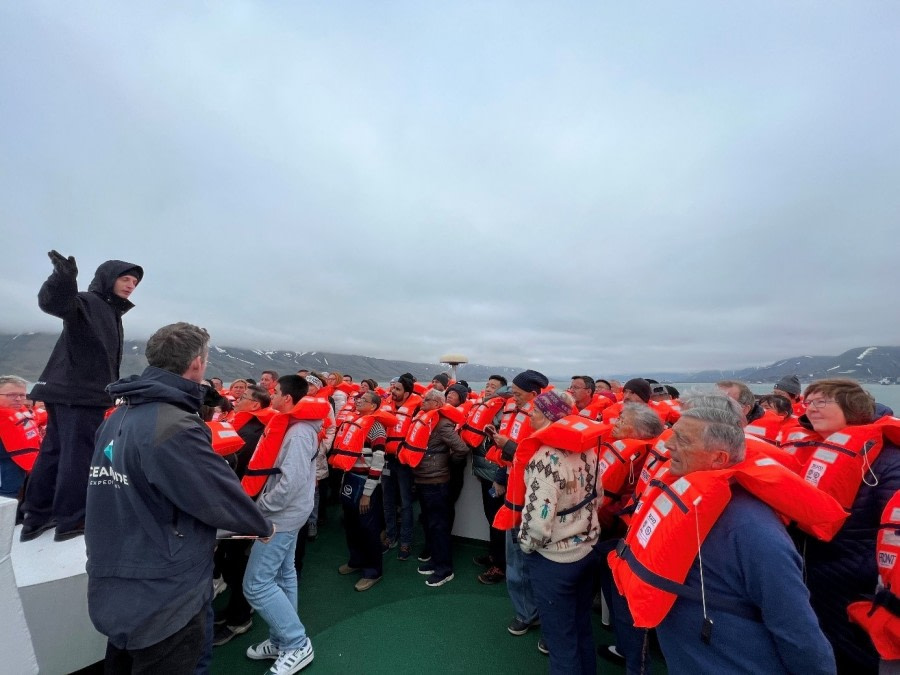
(397, 478)
(708, 562)
(20, 438)
(508, 443)
(430, 446)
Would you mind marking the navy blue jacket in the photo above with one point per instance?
(748, 557)
(844, 570)
(88, 353)
(156, 495)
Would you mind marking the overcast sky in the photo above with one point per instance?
(584, 186)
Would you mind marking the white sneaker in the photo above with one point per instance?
(293, 660)
(264, 650)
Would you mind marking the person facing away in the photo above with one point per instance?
(84, 361)
(157, 493)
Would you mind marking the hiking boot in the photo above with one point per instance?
(293, 660)
(263, 650)
(483, 560)
(405, 552)
(436, 580)
(346, 569)
(32, 531)
(519, 627)
(425, 555)
(426, 569)
(365, 584)
(494, 575)
(227, 633)
(542, 647)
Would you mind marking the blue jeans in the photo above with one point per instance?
(436, 509)
(396, 478)
(564, 594)
(270, 586)
(518, 581)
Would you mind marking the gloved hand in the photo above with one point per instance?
(63, 265)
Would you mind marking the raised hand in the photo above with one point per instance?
(62, 264)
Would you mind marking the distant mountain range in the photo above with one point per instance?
(26, 354)
(865, 364)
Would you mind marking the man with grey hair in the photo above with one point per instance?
(20, 438)
(432, 478)
(746, 399)
(156, 495)
(743, 607)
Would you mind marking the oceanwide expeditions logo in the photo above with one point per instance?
(105, 475)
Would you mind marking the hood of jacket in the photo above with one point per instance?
(105, 280)
(156, 385)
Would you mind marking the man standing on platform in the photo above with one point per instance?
(84, 361)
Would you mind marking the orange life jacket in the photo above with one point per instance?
(572, 433)
(351, 437)
(21, 436)
(465, 408)
(262, 463)
(672, 520)
(612, 412)
(668, 411)
(795, 441)
(594, 409)
(840, 462)
(620, 465)
(263, 415)
(404, 414)
(482, 413)
(799, 408)
(515, 424)
(767, 427)
(347, 412)
(225, 439)
(880, 617)
(413, 448)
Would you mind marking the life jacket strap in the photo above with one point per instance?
(262, 472)
(885, 598)
(512, 507)
(591, 496)
(723, 603)
(25, 451)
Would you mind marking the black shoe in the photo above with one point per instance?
(483, 560)
(519, 627)
(611, 654)
(31, 531)
(542, 647)
(225, 634)
(494, 575)
(65, 535)
(220, 618)
(425, 555)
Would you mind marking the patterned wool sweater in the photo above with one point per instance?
(556, 480)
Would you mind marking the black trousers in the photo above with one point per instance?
(363, 532)
(497, 543)
(176, 655)
(231, 559)
(57, 487)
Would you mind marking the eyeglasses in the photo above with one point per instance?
(574, 388)
(819, 403)
(15, 395)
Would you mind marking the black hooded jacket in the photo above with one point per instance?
(88, 353)
(156, 495)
